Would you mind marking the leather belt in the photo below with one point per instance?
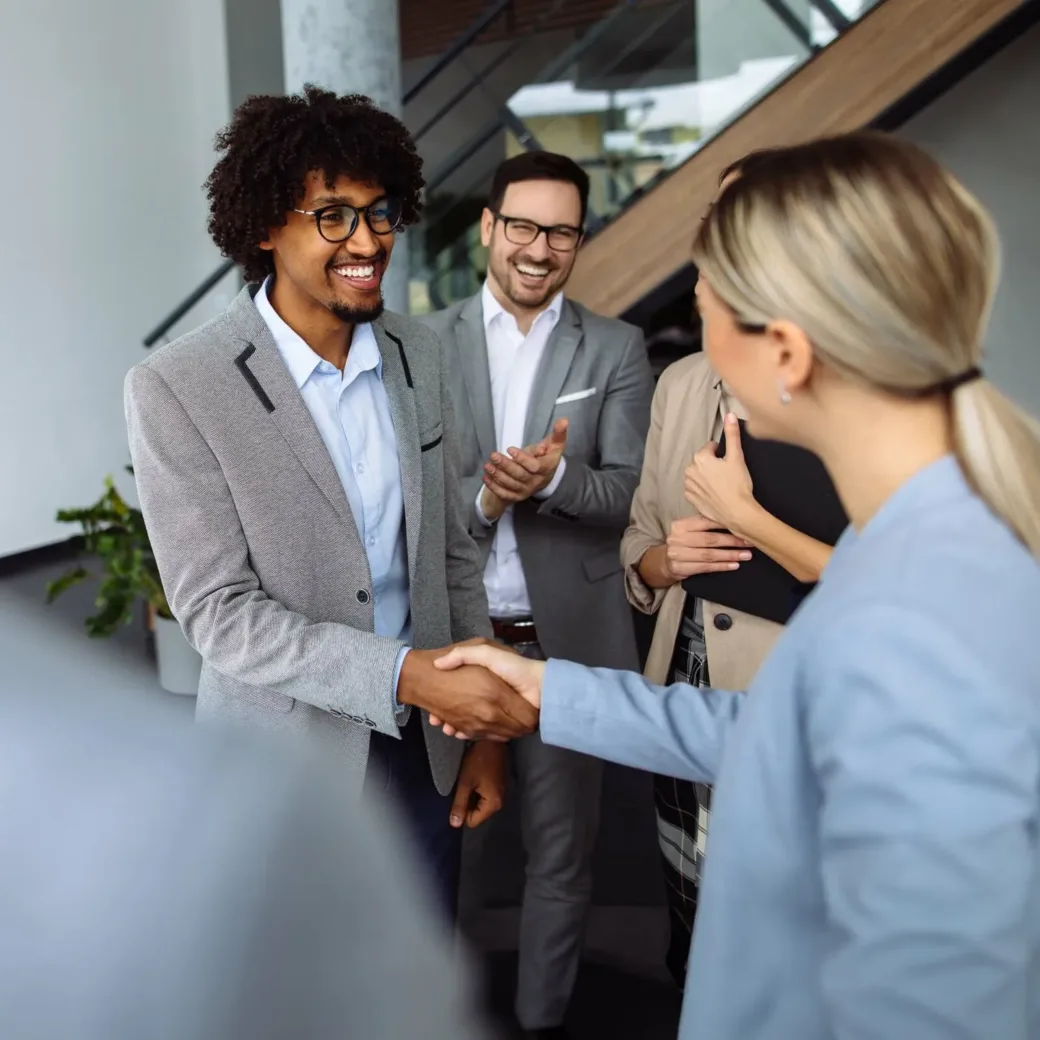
(515, 631)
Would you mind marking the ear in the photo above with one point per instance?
(792, 354)
(487, 226)
(272, 237)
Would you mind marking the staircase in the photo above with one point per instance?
(891, 52)
(653, 98)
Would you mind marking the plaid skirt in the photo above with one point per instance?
(683, 811)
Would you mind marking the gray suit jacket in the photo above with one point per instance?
(569, 543)
(257, 546)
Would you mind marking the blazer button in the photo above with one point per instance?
(723, 622)
(362, 596)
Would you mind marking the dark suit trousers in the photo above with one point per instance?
(400, 769)
(559, 793)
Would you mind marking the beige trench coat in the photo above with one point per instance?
(689, 405)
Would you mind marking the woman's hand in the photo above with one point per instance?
(522, 673)
(721, 489)
(694, 547)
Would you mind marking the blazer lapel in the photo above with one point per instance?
(703, 403)
(552, 371)
(264, 373)
(400, 392)
(473, 357)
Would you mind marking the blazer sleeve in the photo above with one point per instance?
(675, 730)
(203, 560)
(646, 526)
(927, 833)
(467, 597)
(602, 495)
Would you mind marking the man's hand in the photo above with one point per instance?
(523, 472)
(696, 546)
(521, 673)
(481, 786)
(491, 505)
(471, 700)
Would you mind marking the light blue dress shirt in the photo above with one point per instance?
(872, 870)
(352, 413)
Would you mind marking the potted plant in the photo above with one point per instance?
(114, 532)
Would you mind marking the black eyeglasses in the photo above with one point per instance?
(562, 237)
(338, 222)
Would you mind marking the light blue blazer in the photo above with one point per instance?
(872, 869)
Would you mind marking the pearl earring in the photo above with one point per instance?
(785, 395)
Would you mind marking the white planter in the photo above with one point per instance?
(179, 665)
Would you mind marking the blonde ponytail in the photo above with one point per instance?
(998, 447)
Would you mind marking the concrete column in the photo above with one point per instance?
(351, 47)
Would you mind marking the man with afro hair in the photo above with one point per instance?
(297, 466)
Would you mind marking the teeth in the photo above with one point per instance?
(534, 272)
(355, 272)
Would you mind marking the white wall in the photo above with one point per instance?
(107, 115)
(986, 131)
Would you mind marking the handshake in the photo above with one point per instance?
(477, 690)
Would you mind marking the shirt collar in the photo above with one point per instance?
(300, 359)
(493, 309)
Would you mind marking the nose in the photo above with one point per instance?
(539, 248)
(364, 243)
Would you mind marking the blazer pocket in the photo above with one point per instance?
(429, 440)
(602, 565)
(578, 395)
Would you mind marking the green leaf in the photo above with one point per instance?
(115, 533)
(65, 582)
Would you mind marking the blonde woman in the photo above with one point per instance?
(698, 641)
(874, 870)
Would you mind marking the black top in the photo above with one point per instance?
(792, 484)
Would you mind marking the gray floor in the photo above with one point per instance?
(623, 992)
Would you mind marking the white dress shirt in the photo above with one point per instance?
(513, 361)
(352, 414)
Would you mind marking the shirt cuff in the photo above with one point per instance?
(555, 482)
(399, 708)
(480, 511)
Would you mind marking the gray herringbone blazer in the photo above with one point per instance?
(596, 374)
(257, 546)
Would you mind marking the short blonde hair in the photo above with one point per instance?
(890, 266)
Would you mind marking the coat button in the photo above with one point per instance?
(362, 596)
(723, 622)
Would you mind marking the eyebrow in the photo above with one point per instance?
(341, 200)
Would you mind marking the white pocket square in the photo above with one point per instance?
(578, 395)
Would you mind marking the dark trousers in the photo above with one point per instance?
(682, 811)
(400, 769)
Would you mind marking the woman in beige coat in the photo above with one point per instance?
(673, 534)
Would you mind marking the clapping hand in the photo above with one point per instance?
(521, 674)
(522, 472)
